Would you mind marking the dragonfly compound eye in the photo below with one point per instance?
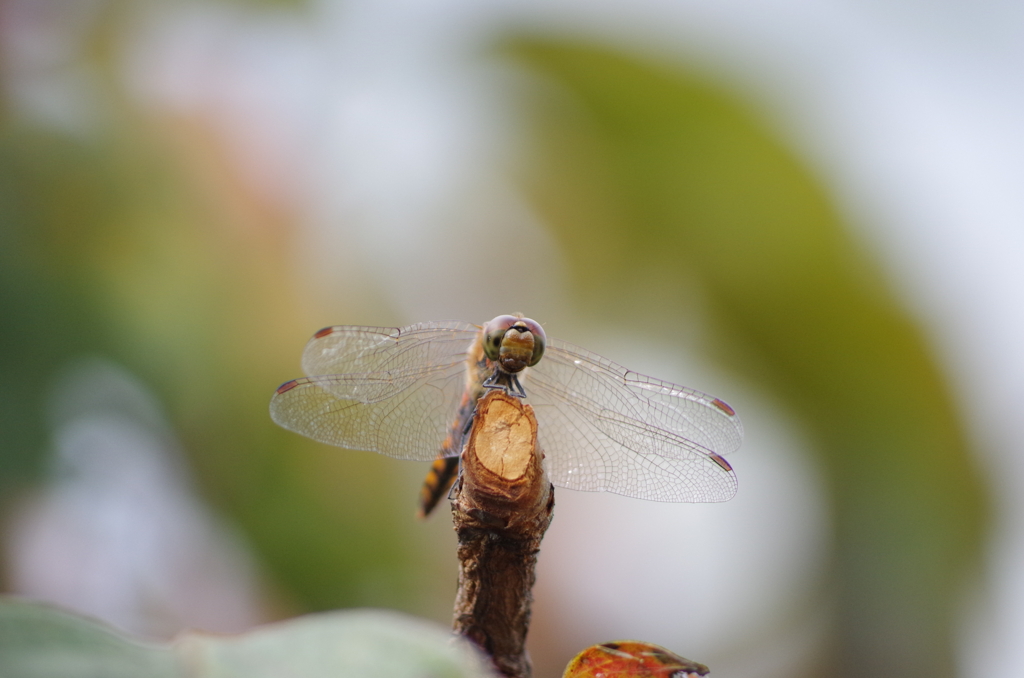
(539, 339)
(522, 346)
(494, 333)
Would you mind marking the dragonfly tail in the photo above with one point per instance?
(437, 483)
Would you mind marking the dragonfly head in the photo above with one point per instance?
(514, 342)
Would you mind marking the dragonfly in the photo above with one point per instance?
(410, 393)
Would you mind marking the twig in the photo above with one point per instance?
(501, 508)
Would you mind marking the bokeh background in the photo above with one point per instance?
(811, 210)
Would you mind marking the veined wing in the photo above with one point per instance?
(603, 427)
(351, 349)
(394, 391)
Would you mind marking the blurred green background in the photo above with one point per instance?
(136, 227)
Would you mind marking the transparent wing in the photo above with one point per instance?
(351, 349)
(393, 391)
(603, 427)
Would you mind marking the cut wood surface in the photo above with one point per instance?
(501, 508)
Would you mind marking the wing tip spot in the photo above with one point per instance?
(724, 406)
(720, 461)
(323, 333)
(287, 386)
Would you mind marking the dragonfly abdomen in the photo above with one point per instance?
(445, 468)
(437, 483)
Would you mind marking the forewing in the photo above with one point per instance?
(603, 427)
(401, 352)
(396, 391)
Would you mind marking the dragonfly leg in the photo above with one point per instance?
(506, 381)
(517, 388)
(456, 487)
(495, 380)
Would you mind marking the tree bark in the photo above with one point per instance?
(501, 508)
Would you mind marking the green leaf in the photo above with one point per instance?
(41, 641)
(361, 643)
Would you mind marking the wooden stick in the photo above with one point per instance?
(501, 508)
